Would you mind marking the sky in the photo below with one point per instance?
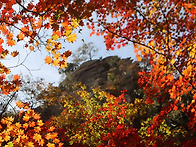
(35, 67)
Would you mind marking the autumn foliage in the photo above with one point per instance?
(27, 130)
(161, 31)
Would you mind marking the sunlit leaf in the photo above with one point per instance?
(48, 60)
(72, 37)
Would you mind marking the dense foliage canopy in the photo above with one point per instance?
(162, 31)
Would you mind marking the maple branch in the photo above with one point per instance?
(133, 41)
(42, 14)
(168, 32)
(22, 64)
(26, 8)
(9, 24)
(19, 64)
(143, 16)
(12, 108)
(31, 36)
(142, 44)
(5, 106)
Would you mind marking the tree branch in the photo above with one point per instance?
(5, 106)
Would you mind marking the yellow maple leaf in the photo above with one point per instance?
(40, 123)
(10, 119)
(37, 43)
(30, 144)
(48, 48)
(14, 53)
(20, 132)
(56, 140)
(56, 62)
(74, 23)
(60, 144)
(41, 142)
(151, 43)
(50, 145)
(18, 125)
(48, 136)
(56, 55)
(55, 37)
(72, 37)
(37, 129)
(172, 61)
(7, 138)
(63, 66)
(49, 41)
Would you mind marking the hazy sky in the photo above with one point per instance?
(38, 69)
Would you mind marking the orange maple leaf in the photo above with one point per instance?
(1, 40)
(10, 42)
(20, 36)
(175, 108)
(37, 137)
(16, 77)
(32, 124)
(54, 135)
(36, 116)
(19, 104)
(25, 126)
(48, 60)
(1, 49)
(26, 118)
(51, 128)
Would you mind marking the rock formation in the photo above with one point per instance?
(111, 74)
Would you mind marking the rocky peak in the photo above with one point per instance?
(111, 74)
